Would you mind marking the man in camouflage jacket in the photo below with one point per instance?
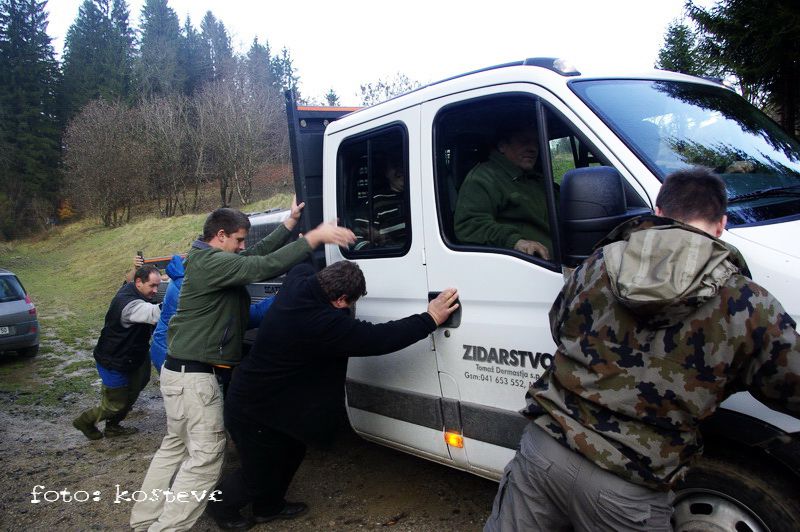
(654, 331)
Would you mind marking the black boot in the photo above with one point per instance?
(227, 518)
(115, 429)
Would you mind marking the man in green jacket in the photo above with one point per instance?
(204, 340)
(502, 202)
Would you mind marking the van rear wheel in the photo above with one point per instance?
(719, 495)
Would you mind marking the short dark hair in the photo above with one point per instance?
(229, 220)
(343, 278)
(144, 273)
(512, 126)
(693, 194)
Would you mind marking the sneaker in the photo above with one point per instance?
(290, 511)
(87, 427)
(113, 430)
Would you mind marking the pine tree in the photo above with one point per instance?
(257, 67)
(679, 53)
(331, 98)
(30, 120)
(97, 55)
(122, 47)
(218, 46)
(284, 73)
(193, 59)
(159, 71)
(758, 42)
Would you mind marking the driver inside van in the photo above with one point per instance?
(502, 202)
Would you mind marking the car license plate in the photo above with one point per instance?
(5, 330)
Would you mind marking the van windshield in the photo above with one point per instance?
(675, 125)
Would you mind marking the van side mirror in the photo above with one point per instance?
(592, 203)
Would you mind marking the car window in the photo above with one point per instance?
(10, 289)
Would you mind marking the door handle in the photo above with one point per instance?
(455, 318)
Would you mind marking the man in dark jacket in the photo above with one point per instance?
(654, 331)
(286, 393)
(121, 354)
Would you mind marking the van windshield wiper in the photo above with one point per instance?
(766, 192)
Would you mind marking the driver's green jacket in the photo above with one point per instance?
(499, 204)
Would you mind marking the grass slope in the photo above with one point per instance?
(73, 272)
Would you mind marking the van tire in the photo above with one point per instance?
(720, 494)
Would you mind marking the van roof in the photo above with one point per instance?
(546, 71)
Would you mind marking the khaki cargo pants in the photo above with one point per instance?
(193, 447)
(549, 487)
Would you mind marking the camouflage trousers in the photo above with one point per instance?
(549, 487)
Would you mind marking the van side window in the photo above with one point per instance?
(372, 177)
(569, 151)
(493, 193)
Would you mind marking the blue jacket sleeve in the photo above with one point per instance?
(258, 310)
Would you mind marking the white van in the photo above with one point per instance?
(454, 397)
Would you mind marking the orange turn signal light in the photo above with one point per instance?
(454, 439)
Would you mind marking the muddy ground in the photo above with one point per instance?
(355, 485)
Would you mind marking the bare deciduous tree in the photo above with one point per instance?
(242, 130)
(166, 125)
(105, 160)
(382, 90)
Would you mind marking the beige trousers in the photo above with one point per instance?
(192, 452)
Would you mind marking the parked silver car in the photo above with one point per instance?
(19, 326)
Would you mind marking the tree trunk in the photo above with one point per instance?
(222, 192)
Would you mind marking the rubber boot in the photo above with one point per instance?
(85, 423)
(119, 400)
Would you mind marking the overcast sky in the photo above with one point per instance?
(341, 44)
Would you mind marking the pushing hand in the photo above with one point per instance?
(441, 307)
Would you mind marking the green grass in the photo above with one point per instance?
(78, 365)
(55, 393)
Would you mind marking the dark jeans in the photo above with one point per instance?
(269, 460)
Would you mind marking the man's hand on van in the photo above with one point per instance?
(330, 233)
(443, 305)
(531, 247)
(294, 216)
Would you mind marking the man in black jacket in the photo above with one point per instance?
(122, 354)
(286, 393)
